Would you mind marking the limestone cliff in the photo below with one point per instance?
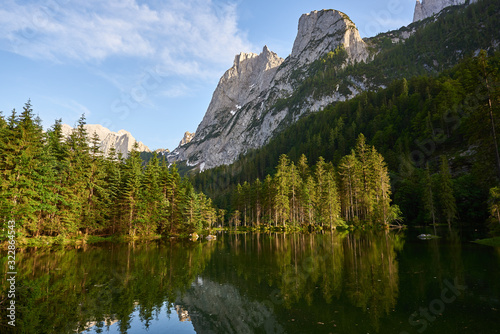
(188, 136)
(242, 113)
(211, 307)
(122, 141)
(427, 8)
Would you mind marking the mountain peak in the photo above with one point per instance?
(188, 136)
(427, 8)
(242, 113)
(322, 31)
(122, 141)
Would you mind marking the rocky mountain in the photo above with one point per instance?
(122, 141)
(427, 8)
(188, 136)
(211, 306)
(243, 113)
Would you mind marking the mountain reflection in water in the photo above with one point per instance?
(258, 283)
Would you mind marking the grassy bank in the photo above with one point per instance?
(495, 242)
(48, 241)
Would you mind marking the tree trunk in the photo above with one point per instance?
(490, 105)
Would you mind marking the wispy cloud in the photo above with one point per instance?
(178, 90)
(77, 109)
(181, 36)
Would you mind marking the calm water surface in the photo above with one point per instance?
(262, 283)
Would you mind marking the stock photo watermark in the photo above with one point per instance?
(40, 19)
(11, 273)
(382, 18)
(129, 100)
(452, 119)
(425, 316)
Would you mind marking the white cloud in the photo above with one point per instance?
(178, 90)
(186, 37)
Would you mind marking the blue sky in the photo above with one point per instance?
(149, 67)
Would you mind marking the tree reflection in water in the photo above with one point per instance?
(253, 283)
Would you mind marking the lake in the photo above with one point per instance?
(370, 282)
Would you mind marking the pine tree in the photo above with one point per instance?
(366, 195)
(175, 198)
(446, 198)
(77, 174)
(429, 195)
(494, 207)
(321, 190)
(327, 201)
(152, 201)
(380, 183)
(331, 197)
(257, 200)
(486, 73)
(24, 169)
(268, 198)
(131, 189)
(308, 195)
(281, 184)
(295, 185)
(47, 189)
(193, 208)
(349, 185)
(304, 193)
(114, 171)
(94, 212)
(9, 145)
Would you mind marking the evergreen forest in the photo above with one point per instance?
(65, 187)
(418, 147)
(438, 136)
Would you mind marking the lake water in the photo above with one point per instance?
(384, 282)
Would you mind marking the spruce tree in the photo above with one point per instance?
(131, 190)
(494, 208)
(446, 197)
(349, 185)
(152, 202)
(26, 169)
(429, 195)
(281, 183)
(175, 198)
(114, 171)
(381, 187)
(77, 174)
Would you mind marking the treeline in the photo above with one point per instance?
(356, 191)
(412, 123)
(56, 186)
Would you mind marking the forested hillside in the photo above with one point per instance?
(419, 125)
(425, 48)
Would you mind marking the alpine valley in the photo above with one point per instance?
(407, 91)
(262, 94)
(344, 132)
(352, 187)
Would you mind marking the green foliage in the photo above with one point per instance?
(494, 208)
(411, 123)
(65, 187)
(446, 198)
(320, 197)
(92, 284)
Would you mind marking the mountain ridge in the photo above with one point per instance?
(243, 115)
(329, 63)
(122, 141)
(428, 8)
